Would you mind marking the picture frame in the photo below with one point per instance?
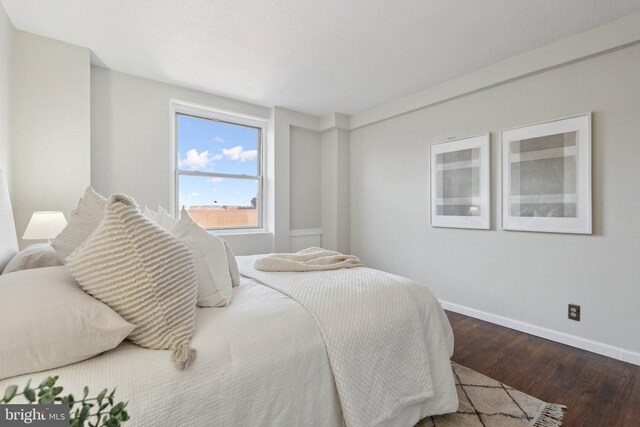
(460, 182)
(546, 176)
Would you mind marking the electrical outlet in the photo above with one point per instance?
(574, 312)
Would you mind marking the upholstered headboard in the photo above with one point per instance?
(8, 238)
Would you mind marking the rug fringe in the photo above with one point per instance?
(550, 415)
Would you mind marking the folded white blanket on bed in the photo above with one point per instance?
(310, 259)
(373, 333)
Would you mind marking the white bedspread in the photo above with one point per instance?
(261, 362)
(371, 326)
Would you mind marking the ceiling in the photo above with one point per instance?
(313, 56)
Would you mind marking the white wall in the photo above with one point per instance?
(50, 125)
(305, 179)
(335, 190)
(528, 277)
(6, 40)
(131, 149)
(305, 201)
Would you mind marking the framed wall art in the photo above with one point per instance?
(460, 179)
(546, 176)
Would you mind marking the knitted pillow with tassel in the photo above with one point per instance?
(144, 274)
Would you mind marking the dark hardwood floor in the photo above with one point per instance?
(599, 391)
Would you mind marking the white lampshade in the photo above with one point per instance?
(45, 225)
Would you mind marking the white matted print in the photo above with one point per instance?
(460, 175)
(546, 176)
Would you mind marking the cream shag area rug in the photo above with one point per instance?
(488, 403)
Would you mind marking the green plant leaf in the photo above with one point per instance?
(29, 394)
(116, 409)
(101, 396)
(80, 411)
(84, 413)
(47, 399)
(9, 393)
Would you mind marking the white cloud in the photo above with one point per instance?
(239, 153)
(194, 160)
(218, 139)
(216, 179)
(193, 195)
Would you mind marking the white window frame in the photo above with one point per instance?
(232, 118)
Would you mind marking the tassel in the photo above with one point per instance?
(183, 356)
(550, 415)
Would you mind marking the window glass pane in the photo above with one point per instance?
(215, 202)
(209, 146)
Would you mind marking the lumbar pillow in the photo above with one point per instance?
(84, 220)
(144, 274)
(38, 255)
(233, 265)
(48, 322)
(210, 257)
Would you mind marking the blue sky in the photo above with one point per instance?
(209, 146)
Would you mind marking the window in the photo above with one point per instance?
(219, 167)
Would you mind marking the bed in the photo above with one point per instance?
(261, 361)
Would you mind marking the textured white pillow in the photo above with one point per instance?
(81, 224)
(48, 321)
(210, 257)
(38, 255)
(144, 274)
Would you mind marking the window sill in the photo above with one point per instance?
(252, 232)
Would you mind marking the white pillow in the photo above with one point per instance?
(149, 213)
(144, 274)
(38, 255)
(233, 265)
(48, 321)
(165, 220)
(81, 224)
(210, 257)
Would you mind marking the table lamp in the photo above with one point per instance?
(45, 225)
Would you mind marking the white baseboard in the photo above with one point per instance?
(561, 337)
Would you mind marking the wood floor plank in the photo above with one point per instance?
(598, 390)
